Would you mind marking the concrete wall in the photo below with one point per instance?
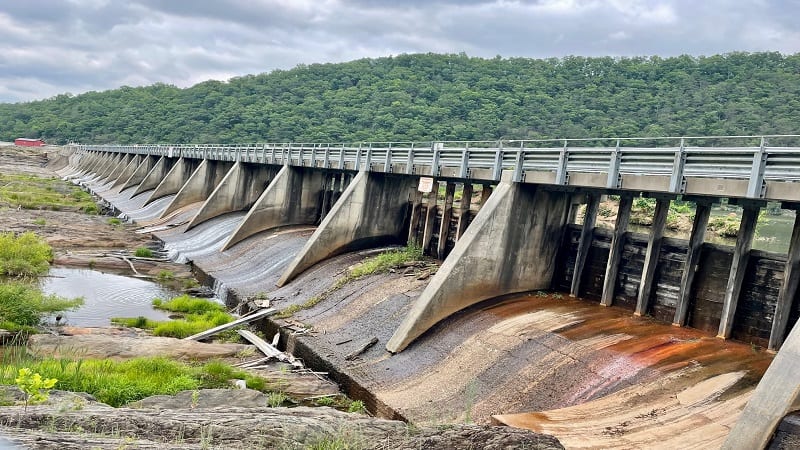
(371, 211)
(508, 248)
(294, 197)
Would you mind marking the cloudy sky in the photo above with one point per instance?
(48, 47)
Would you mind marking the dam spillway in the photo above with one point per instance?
(513, 242)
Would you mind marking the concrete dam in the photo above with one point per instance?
(489, 336)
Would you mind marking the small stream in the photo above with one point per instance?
(105, 295)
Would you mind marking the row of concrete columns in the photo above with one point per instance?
(430, 202)
(736, 275)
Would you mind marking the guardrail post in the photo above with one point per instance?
(387, 163)
(518, 175)
(561, 170)
(613, 168)
(464, 171)
(437, 148)
(410, 160)
(358, 158)
(287, 160)
(341, 157)
(368, 162)
(497, 170)
(755, 189)
(676, 184)
(314, 155)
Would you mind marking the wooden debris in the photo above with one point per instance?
(361, 349)
(245, 319)
(343, 342)
(268, 349)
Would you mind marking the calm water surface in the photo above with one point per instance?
(105, 295)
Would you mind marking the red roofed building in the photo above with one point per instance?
(25, 142)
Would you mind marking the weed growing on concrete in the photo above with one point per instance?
(41, 222)
(378, 264)
(143, 252)
(114, 222)
(26, 255)
(325, 401)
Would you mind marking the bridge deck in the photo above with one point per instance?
(676, 166)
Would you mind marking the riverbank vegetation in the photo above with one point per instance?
(24, 255)
(193, 315)
(32, 192)
(23, 307)
(438, 97)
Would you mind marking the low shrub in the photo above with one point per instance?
(143, 252)
(23, 306)
(25, 255)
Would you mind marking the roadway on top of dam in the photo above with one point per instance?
(746, 167)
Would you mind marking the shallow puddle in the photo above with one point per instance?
(105, 295)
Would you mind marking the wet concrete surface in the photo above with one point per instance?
(530, 355)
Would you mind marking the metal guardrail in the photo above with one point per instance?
(674, 159)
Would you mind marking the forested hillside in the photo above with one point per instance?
(429, 96)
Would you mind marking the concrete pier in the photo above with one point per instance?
(240, 188)
(372, 210)
(493, 257)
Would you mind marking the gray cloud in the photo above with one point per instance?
(51, 47)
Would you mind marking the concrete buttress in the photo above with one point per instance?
(240, 188)
(507, 248)
(200, 184)
(138, 175)
(777, 394)
(128, 171)
(372, 210)
(154, 176)
(292, 198)
(175, 179)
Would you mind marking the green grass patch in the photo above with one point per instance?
(114, 222)
(41, 222)
(143, 252)
(32, 192)
(25, 255)
(199, 315)
(188, 304)
(377, 264)
(119, 382)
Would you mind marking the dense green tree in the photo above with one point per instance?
(437, 97)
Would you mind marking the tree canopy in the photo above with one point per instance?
(437, 97)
